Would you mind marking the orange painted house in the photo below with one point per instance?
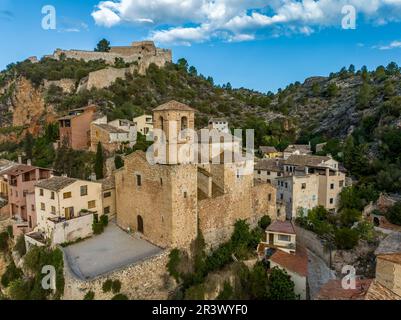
(75, 128)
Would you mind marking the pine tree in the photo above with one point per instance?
(99, 162)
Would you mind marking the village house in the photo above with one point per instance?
(4, 166)
(65, 209)
(144, 124)
(109, 196)
(268, 170)
(21, 181)
(167, 202)
(281, 250)
(114, 135)
(220, 124)
(269, 152)
(309, 181)
(74, 128)
(297, 193)
(297, 149)
(387, 282)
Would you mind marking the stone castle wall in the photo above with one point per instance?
(217, 216)
(146, 280)
(104, 78)
(67, 85)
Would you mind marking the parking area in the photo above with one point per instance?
(109, 251)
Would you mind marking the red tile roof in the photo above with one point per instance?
(333, 290)
(297, 262)
(281, 227)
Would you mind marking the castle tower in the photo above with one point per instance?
(177, 121)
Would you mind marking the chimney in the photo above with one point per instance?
(20, 159)
(29, 162)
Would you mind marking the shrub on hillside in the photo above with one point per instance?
(120, 296)
(20, 245)
(12, 273)
(107, 285)
(346, 239)
(90, 295)
(394, 214)
(4, 241)
(265, 222)
(116, 286)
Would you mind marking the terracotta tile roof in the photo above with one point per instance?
(275, 165)
(266, 149)
(21, 169)
(55, 183)
(392, 257)
(109, 128)
(377, 291)
(306, 160)
(301, 147)
(108, 183)
(297, 262)
(281, 227)
(174, 105)
(333, 290)
(217, 120)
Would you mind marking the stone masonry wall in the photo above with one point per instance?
(217, 216)
(67, 85)
(146, 280)
(104, 78)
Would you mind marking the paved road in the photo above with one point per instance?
(318, 274)
(107, 252)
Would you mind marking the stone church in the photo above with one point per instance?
(168, 202)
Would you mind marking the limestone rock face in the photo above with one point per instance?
(28, 103)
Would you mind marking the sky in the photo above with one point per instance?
(256, 44)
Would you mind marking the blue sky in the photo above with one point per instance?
(262, 45)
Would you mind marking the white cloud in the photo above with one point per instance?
(393, 45)
(187, 21)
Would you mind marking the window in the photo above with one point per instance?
(332, 186)
(92, 204)
(184, 123)
(84, 191)
(185, 194)
(66, 195)
(41, 192)
(259, 171)
(269, 197)
(107, 195)
(286, 185)
(282, 237)
(331, 200)
(341, 183)
(161, 181)
(303, 186)
(106, 210)
(278, 174)
(281, 196)
(52, 195)
(42, 206)
(33, 207)
(268, 173)
(53, 210)
(138, 180)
